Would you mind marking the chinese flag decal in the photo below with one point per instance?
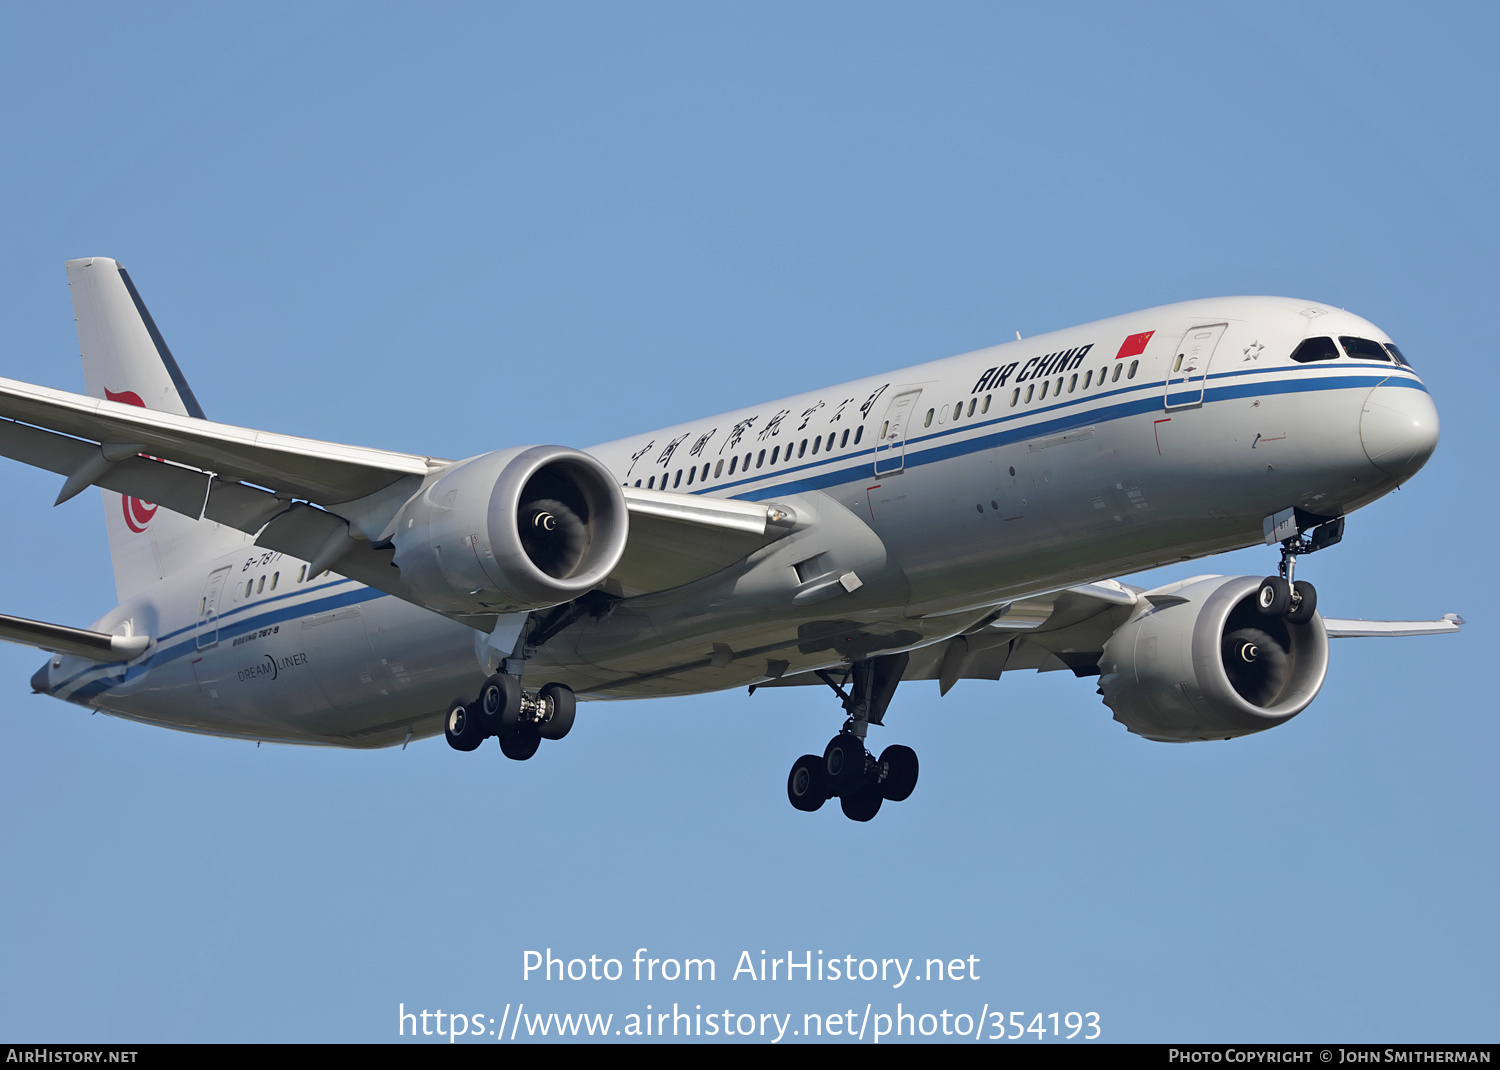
(1135, 345)
(137, 513)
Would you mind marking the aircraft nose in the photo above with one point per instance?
(1399, 429)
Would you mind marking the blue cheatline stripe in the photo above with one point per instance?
(162, 654)
(253, 606)
(1149, 399)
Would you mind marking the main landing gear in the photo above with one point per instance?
(1284, 596)
(847, 771)
(503, 709)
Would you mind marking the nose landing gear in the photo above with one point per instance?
(847, 771)
(1284, 595)
(503, 709)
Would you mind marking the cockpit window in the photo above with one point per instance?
(1400, 356)
(1364, 349)
(1315, 349)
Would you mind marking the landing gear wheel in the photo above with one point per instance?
(462, 727)
(861, 805)
(898, 772)
(844, 765)
(521, 745)
(499, 704)
(561, 705)
(1274, 597)
(1304, 603)
(804, 785)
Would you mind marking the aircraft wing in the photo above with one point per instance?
(61, 639)
(1361, 629)
(323, 502)
(1067, 629)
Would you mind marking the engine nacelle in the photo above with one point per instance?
(1202, 662)
(513, 530)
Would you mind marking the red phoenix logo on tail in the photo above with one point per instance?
(137, 513)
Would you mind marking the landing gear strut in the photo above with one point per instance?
(505, 710)
(1286, 596)
(847, 771)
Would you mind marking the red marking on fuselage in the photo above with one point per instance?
(1156, 431)
(1135, 345)
(136, 511)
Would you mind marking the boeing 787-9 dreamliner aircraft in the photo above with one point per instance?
(953, 520)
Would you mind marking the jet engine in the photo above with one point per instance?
(1200, 661)
(514, 530)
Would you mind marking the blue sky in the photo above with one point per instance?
(454, 228)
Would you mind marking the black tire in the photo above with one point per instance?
(804, 785)
(462, 726)
(844, 764)
(1304, 605)
(861, 805)
(561, 704)
(898, 772)
(1274, 597)
(519, 746)
(499, 704)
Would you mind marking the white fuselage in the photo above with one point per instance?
(944, 489)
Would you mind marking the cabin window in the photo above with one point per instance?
(1118, 369)
(883, 429)
(746, 465)
(831, 436)
(1364, 349)
(845, 440)
(718, 469)
(734, 463)
(761, 459)
(1045, 385)
(859, 433)
(1030, 389)
(1088, 377)
(1058, 388)
(1315, 349)
(1103, 374)
(774, 453)
(928, 422)
(802, 449)
(651, 483)
(249, 586)
(986, 403)
(275, 578)
(302, 574)
(817, 444)
(677, 482)
(972, 403)
(1015, 396)
(691, 473)
(1133, 366)
(1073, 382)
(261, 586)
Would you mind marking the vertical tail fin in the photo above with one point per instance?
(126, 359)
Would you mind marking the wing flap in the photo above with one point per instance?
(678, 538)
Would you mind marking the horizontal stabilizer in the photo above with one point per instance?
(80, 642)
